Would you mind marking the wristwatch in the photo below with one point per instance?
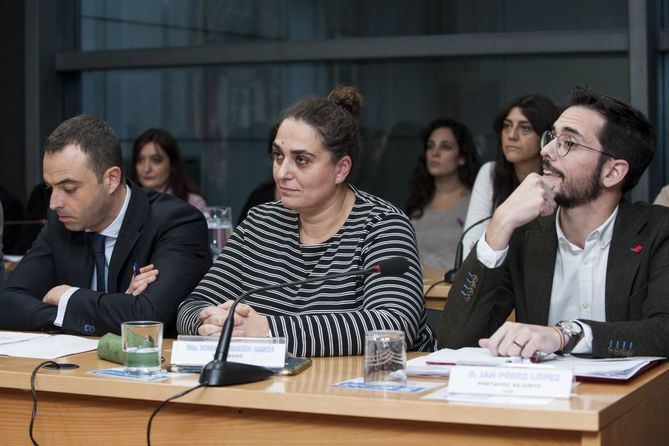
(572, 332)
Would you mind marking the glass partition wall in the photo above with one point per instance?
(217, 74)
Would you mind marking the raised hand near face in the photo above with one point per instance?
(534, 197)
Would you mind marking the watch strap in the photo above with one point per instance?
(569, 339)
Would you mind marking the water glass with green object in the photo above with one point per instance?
(142, 343)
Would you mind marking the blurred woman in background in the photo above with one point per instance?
(440, 190)
(519, 126)
(158, 165)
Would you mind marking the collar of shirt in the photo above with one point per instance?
(602, 235)
(115, 227)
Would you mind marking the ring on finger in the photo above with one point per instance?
(520, 346)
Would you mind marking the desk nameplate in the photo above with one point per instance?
(511, 381)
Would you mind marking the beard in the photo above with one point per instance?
(577, 192)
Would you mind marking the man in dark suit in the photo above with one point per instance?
(591, 278)
(78, 276)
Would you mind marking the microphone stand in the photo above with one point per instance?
(220, 372)
(449, 277)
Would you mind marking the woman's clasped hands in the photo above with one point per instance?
(248, 322)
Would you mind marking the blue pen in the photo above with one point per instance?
(135, 269)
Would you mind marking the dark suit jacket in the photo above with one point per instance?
(637, 286)
(157, 228)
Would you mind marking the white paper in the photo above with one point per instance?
(613, 369)
(607, 368)
(419, 367)
(472, 356)
(48, 347)
(11, 337)
(439, 363)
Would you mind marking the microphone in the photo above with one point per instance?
(219, 372)
(449, 277)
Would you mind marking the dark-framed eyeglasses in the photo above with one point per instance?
(565, 143)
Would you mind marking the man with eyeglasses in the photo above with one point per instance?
(585, 270)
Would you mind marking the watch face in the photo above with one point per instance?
(572, 327)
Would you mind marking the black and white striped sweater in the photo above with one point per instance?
(328, 318)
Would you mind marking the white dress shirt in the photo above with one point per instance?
(111, 234)
(579, 278)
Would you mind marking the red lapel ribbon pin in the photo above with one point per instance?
(637, 249)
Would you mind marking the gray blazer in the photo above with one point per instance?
(637, 286)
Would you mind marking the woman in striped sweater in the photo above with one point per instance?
(322, 225)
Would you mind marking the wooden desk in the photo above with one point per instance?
(77, 408)
(436, 298)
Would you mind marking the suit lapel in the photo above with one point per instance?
(80, 251)
(135, 215)
(623, 262)
(539, 262)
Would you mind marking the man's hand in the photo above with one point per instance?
(147, 274)
(534, 197)
(516, 339)
(54, 294)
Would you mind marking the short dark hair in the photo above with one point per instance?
(422, 183)
(335, 119)
(627, 134)
(180, 182)
(94, 137)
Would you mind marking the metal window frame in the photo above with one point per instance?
(377, 48)
(642, 42)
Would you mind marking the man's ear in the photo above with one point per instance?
(112, 178)
(343, 169)
(614, 172)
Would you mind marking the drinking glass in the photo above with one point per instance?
(219, 225)
(385, 357)
(142, 343)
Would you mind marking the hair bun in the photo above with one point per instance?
(347, 97)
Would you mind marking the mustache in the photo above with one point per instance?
(546, 165)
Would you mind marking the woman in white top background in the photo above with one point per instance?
(440, 190)
(663, 197)
(519, 126)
